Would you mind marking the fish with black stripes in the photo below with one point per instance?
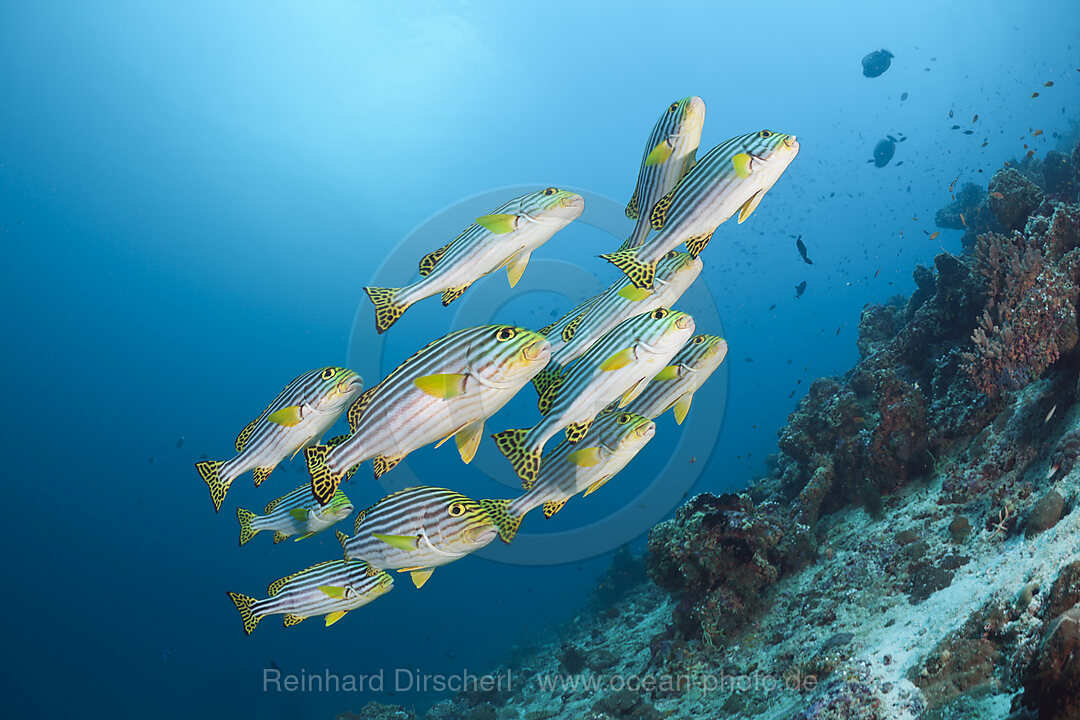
(298, 416)
(573, 334)
(330, 588)
(418, 529)
(731, 178)
(295, 514)
(669, 155)
(504, 238)
(673, 387)
(618, 365)
(445, 390)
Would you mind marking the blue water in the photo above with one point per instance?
(192, 196)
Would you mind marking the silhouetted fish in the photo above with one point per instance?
(876, 63)
(800, 289)
(802, 250)
(883, 152)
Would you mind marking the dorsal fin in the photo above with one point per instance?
(357, 408)
(632, 210)
(658, 216)
(571, 328)
(429, 261)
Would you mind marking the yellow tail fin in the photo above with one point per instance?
(246, 530)
(387, 308)
(526, 461)
(245, 604)
(640, 273)
(210, 470)
(499, 512)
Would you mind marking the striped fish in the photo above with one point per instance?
(330, 588)
(420, 528)
(675, 272)
(620, 364)
(669, 155)
(675, 385)
(295, 513)
(732, 177)
(447, 389)
(612, 441)
(505, 238)
(300, 414)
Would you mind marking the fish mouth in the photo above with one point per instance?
(684, 322)
(536, 350)
(645, 431)
(791, 142)
(482, 535)
(346, 386)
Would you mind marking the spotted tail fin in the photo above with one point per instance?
(210, 471)
(525, 460)
(388, 309)
(543, 379)
(246, 530)
(640, 273)
(499, 512)
(323, 482)
(245, 605)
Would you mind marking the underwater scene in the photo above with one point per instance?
(506, 361)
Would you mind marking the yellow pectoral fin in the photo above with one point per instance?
(499, 223)
(444, 387)
(619, 360)
(743, 164)
(287, 416)
(750, 205)
(419, 577)
(585, 457)
(333, 617)
(401, 542)
(634, 294)
(468, 440)
(632, 393)
(331, 591)
(682, 406)
(671, 372)
(299, 514)
(596, 486)
(659, 154)
(515, 266)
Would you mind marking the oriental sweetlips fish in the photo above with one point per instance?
(732, 177)
(669, 155)
(505, 238)
(612, 441)
(588, 322)
(447, 389)
(675, 385)
(299, 415)
(420, 528)
(331, 588)
(620, 364)
(294, 514)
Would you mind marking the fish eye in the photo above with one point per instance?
(764, 134)
(623, 419)
(505, 334)
(671, 254)
(456, 510)
(659, 313)
(699, 339)
(327, 373)
(674, 106)
(551, 191)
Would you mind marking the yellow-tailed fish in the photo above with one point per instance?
(612, 441)
(732, 177)
(618, 365)
(504, 238)
(299, 415)
(295, 514)
(420, 528)
(675, 272)
(330, 588)
(447, 389)
(675, 385)
(669, 155)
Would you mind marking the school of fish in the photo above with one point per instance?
(604, 372)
